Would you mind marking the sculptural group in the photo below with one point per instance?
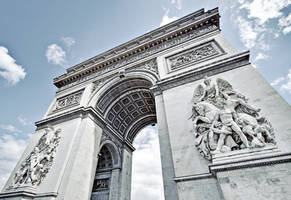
(37, 164)
(224, 121)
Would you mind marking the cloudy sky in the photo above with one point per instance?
(40, 39)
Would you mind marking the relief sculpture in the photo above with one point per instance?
(224, 121)
(35, 167)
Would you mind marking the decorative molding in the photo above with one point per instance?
(28, 194)
(194, 55)
(35, 167)
(271, 159)
(150, 65)
(196, 26)
(106, 136)
(223, 65)
(68, 101)
(193, 177)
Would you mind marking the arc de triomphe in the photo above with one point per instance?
(224, 132)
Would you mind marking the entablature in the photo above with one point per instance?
(191, 26)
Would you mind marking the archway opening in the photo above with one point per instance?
(147, 181)
(128, 106)
(101, 185)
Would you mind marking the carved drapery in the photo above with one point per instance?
(224, 121)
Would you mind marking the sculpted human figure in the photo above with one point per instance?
(37, 164)
(224, 133)
(227, 117)
(249, 129)
(223, 120)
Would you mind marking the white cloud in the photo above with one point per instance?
(56, 55)
(166, 19)
(9, 128)
(23, 121)
(9, 70)
(247, 33)
(285, 24)
(286, 30)
(287, 85)
(277, 81)
(68, 41)
(261, 56)
(285, 21)
(178, 4)
(10, 151)
(146, 169)
(253, 27)
(264, 10)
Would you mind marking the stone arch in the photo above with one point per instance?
(108, 81)
(114, 151)
(108, 160)
(126, 104)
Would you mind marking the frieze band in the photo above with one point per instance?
(69, 100)
(193, 55)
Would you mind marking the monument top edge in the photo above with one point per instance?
(141, 43)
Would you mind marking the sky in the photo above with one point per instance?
(40, 39)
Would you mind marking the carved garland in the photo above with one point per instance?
(224, 121)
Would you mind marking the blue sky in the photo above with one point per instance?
(40, 39)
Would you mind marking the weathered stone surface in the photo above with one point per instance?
(258, 183)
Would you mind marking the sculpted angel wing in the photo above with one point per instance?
(223, 86)
(199, 93)
(194, 114)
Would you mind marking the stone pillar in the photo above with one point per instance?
(70, 169)
(80, 170)
(114, 186)
(125, 183)
(170, 186)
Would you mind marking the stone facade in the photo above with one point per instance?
(160, 77)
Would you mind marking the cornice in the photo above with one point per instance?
(80, 112)
(252, 162)
(145, 45)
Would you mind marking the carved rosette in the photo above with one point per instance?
(224, 121)
(38, 163)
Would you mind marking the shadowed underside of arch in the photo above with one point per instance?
(128, 106)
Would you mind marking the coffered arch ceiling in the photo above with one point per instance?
(128, 106)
